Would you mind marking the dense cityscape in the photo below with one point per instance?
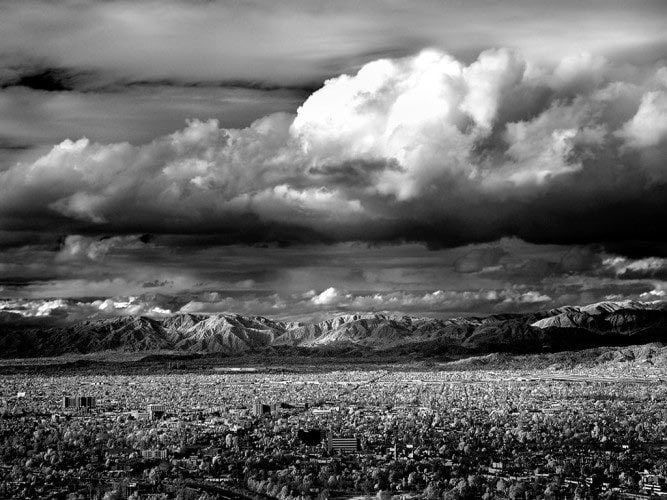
(389, 432)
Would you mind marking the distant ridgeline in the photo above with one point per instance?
(565, 328)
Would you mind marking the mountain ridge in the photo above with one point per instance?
(229, 334)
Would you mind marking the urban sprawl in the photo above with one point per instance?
(396, 432)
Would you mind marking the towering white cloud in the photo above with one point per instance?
(648, 127)
(422, 147)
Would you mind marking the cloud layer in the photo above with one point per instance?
(133, 71)
(88, 44)
(427, 157)
(421, 148)
(92, 277)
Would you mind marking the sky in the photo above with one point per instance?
(300, 159)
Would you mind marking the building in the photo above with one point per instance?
(79, 402)
(125, 488)
(154, 454)
(310, 437)
(156, 412)
(497, 468)
(261, 409)
(654, 484)
(343, 444)
(86, 402)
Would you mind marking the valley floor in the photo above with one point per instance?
(593, 427)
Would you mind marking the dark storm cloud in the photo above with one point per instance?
(637, 248)
(48, 79)
(640, 274)
(302, 90)
(90, 80)
(10, 145)
(310, 281)
(157, 284)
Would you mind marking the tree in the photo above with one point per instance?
(383, 495)
(517, 491)
(451, 495)
(284, 493)
(432, 492)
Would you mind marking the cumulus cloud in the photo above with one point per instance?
(421, 113)
(35, 308)
(131, 306)
(648, 127)
(77, 247)
(657, 294)
(334, 301)
(423, 148)
(57, 310)
(431, 301)
(450, 300)
(530, 297)
(330, 296)
(496, 297)
(637, 269)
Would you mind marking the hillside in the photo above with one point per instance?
(607, 323)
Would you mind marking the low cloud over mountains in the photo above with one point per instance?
(96, 278)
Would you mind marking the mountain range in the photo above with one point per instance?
(565, 328)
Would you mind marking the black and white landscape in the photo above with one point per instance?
(233, 335)
(302, 250)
